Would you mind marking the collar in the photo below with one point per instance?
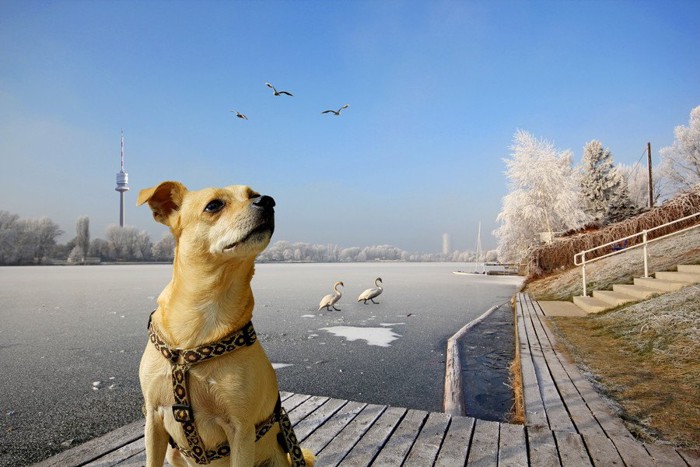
(243, 337)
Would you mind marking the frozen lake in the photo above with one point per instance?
(71, 339)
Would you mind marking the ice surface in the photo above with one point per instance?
(382, 337)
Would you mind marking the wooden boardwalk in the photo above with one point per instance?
(571, 421)
(567, 423)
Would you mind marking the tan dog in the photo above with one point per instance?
(218, 233)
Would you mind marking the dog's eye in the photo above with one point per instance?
(214, 206)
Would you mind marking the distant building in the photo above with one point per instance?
(122, 185)
(446, 249)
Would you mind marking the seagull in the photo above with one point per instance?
(240, 115)
(332, 298)
(276, 92)
(372, 293)
(336, 112)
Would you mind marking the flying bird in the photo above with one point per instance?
(240, 115)
(332, 298)
(335, 112)
(372, 293)
(276, 92)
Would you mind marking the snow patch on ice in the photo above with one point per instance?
(277, 366)
(381, 337)
(308, 316)
(388, 325)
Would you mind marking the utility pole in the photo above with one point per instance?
(651, 185)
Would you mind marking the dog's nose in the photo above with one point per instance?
(264, 202)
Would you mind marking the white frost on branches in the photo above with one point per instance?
(544, 196)
(681, 161)
(637, 177)
(604, 189)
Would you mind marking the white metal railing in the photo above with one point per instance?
(580, 258)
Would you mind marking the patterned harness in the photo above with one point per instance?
(181, 360)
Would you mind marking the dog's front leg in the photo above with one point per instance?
(156, 439)
(241, 439)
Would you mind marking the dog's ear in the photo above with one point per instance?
(164, 200)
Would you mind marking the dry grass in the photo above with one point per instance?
(559, 256)
(517, 413)
(644, 358)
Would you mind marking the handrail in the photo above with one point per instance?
(580, 258)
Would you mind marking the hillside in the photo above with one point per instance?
(664, 255)
(642, 357)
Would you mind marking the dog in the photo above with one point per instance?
(210, 392)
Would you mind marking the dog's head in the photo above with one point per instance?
(213, 223)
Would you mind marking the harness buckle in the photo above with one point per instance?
(183, 413)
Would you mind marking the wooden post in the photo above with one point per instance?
(651, 185)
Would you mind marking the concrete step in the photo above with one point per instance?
(591, 305)
(659, 284)
(641, 293)
(613, 298)
(687, 277)
(692, 268)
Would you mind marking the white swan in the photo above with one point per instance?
(335, 112)
(374, 292)
(331, 299)
(276, 92)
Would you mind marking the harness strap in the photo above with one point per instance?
(181, 360)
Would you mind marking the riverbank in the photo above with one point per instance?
(642, 357)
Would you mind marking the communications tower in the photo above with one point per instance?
(122, 184)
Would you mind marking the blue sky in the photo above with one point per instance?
(436, 92)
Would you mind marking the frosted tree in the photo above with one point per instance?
(82, 241)
(681, 161)
(544, 197)
(164, 249)
(604, 189)
(637, 177)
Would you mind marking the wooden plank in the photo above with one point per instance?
(609, 422)
(665, 455)
(542, 449)
(122, 454)
(455, 446)
(294, 401)
(341, 445)
(302, 411)
(603, 413)
(427, 445)
(316, 418)
(578, 411)
(484, 446)
(601, 450)
(572, 451)
(138, 460)
(401, 440)
(512, 446)
(97, 447)
(632, 452)
(371, 443)
(324, 434)
(532, 399)
(691, 456)
(557, 415)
